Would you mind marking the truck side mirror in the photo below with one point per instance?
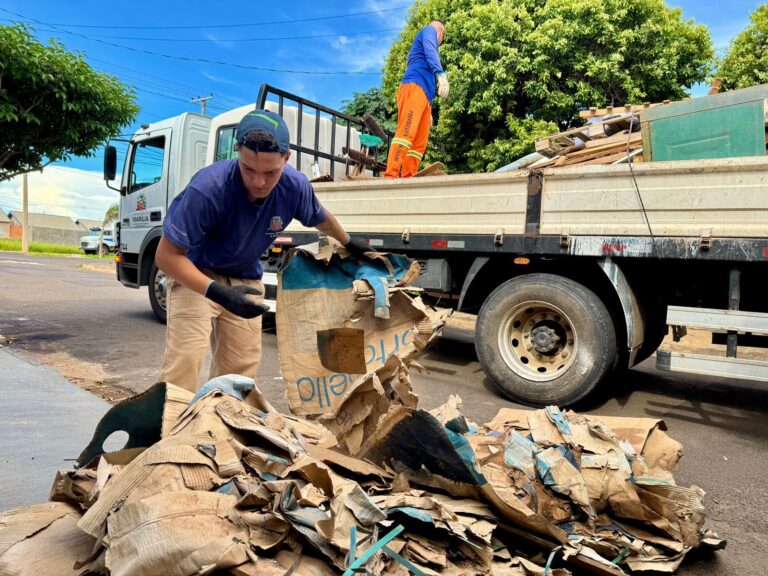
(110, 163)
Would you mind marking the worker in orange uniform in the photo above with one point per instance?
(424, 75)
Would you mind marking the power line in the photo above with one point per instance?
(240, 25)
(166, 80)
(212, 41)
(205, 60)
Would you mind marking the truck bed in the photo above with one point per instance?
(723, 198)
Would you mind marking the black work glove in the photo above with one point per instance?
(235, 299)
(357, 247)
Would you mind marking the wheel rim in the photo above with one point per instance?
(537, 340)
(159, 286)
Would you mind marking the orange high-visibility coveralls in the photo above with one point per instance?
(414, 118)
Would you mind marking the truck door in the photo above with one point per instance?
(145, 188)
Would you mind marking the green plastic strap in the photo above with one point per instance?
(623, 554)
(352, 544)
(408, 566)
(372, 550)
(549, 560)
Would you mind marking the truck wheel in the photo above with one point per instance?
(158, 283)
(544, 339)
(655, 332)
(104, 250)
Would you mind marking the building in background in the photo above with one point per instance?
(5, 225)
(47, 228)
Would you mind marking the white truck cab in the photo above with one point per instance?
(160, 160)
(91, 242)
(163, 156)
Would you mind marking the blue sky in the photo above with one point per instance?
(352, 38)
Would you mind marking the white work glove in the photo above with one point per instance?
(442, 85)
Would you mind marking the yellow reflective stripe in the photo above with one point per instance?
(401, 141)
(415, 154)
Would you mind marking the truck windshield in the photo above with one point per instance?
(225, 143)
(147, 163)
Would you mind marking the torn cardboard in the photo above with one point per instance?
(329, 340)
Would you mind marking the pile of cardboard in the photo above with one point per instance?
(232, 484)
(361, 480)
(612, 139)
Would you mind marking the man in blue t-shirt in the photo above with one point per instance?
(213, 236)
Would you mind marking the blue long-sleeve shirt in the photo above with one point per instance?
(423, 61)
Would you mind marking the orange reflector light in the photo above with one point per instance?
(522, 261)
(118, 258)
(276, 250)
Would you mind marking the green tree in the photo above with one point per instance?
(373, 102)
(522, 68)
(746, 61)
(110, 217)
(52, 104)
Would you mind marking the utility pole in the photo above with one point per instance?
(25, 216)
(202, 100)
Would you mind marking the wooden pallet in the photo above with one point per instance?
(610, 151)
(626, 109)
(584, 136)
(557, 143)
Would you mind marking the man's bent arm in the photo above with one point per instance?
(331, 227)
(173, 261)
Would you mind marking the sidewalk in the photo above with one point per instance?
(45, 422)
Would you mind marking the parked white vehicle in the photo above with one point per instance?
(89, 244)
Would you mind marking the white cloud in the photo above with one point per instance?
(391, 17)
(340, 41)
(218, 79)
(63, 191)
(365, 53)
(226, 45)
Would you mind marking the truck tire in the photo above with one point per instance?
(104, 250)
(158, 283)
(543, 339)
(655, 332)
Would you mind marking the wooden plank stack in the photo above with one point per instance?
(614, 140)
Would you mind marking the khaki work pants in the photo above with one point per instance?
(194, 323)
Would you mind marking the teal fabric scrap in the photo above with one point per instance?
(464, 450)
(519, 452)
(414, 513)
(304, 272)
(556, 417)
(232, 384)
(376, 273)
(304, 519)
(229, 488)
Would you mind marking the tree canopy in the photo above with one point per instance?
(373, 102)
(520, 69)
(52, 104)
(746, 61)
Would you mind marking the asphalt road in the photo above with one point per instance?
(103, 337)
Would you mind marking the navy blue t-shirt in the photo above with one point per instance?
(227, 233)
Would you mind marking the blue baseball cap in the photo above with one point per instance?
(267, 122)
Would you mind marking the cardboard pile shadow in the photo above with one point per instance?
(347, 331)
(233, 485)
